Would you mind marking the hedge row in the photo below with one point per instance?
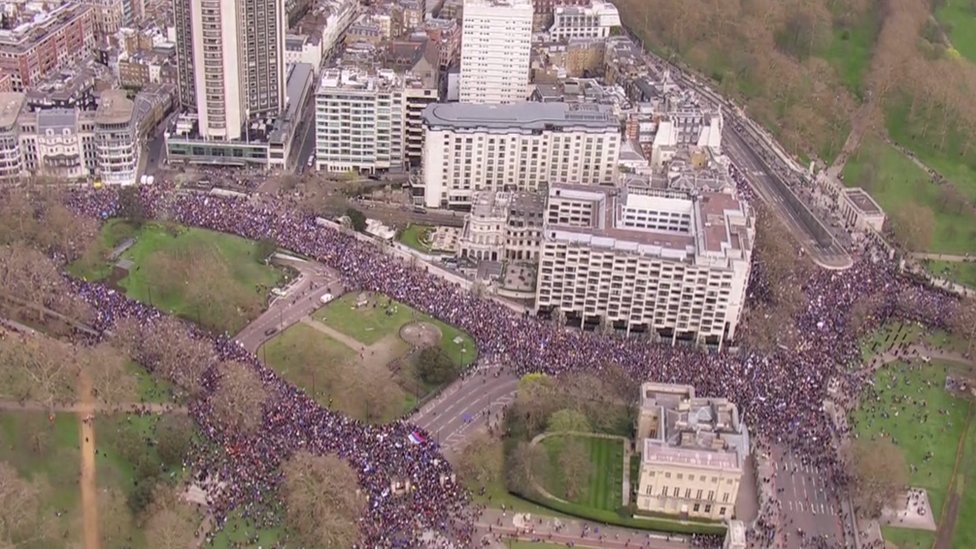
(618, 519)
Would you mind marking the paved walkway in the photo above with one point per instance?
(498, 525)
(943, 257)
(350, 342)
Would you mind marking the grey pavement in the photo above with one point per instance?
(806, 500)
(495, 526)
(303, 297)
(475, 401)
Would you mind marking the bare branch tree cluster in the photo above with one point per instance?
(322, 500)
(167, 347)
(238, 401)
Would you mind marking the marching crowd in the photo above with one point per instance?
(779, 394)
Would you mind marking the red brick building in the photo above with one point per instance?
(32, 52)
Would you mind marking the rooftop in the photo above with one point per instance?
(10, 105)
(35, 22)
(863, 201)
(698, 431)
(526, 116)
(114, 108)
(718, 222)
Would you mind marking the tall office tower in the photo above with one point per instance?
(231, 61)
(496, 39)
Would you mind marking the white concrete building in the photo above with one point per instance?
(496, 43)
(693, 452)
(302, 48)
(503, 226)
(593, 21)
(231, 62)
(638, 259)
(698, 127)
(516, 147)
(69, 144)
(360, 121)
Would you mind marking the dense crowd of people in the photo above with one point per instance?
(779, 393)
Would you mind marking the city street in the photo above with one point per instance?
(303, 297)
(474, 401)
(806, 501)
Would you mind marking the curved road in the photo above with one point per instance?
(474, 402)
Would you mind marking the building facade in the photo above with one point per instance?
(360, 119)
(503, 226)
(516, 147)
(693, 452)
(666, 263)
(595, 20)
(70, 144)
(63, 37)
(231, 59)
(496, 43)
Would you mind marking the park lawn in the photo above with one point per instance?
(531, 545)
(497, 495)
(908, 538)
(236, 533)
(113, 468)
(895, 181)
(93, 265)
(415, 236)
(384, 316)
(922, 134)
(312, 360)
(964, 534)
(150, 388)
(850, 52)
(894, 333)
(243, 279)
(962, 26)
(603, 490)
(961, 272)
(57, 464)
(940, 435)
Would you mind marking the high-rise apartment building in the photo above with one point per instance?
(516, 147)
(496, 42)
(359, 120)
(231, 62)
(668, 262)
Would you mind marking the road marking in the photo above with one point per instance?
(799, 506)
(789, 503)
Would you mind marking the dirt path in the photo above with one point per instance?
(92, 407)
(89, 491)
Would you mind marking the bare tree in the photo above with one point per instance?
(167, 348)
(913, 226)
(567, 420)
(480, 463)
(20, 510)
(323, 501)
(522, 464)
(37, 368)
(108, 369)
(116, 523)
(575, 466)
(239, 399)
(880, 474)
(169, 522)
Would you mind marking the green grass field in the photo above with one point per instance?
(47, 452)
(956, 271)
(414, 236)
(907, 538)
(370, 324)
(236, 533)
(603, 489)
(961, 20)
(903, 390)
(311, 360)
(894, 181)
(850, 53)
(212, 278)
(922, 133)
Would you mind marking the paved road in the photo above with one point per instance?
(303, 297)
(473, 402)
(806, 500)
(770, 189)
